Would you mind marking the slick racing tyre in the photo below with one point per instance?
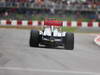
(34, 38)
(69, 41)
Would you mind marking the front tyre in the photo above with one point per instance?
(69, 41)
(34, 38)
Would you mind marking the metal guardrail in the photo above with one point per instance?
(49, 6)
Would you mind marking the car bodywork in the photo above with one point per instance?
(51, 36)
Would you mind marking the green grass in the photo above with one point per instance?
(44, 16)
(69, 29)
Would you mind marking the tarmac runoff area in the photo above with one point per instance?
(17, 58)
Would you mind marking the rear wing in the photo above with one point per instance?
(53, 23)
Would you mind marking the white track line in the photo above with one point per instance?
(46, 70)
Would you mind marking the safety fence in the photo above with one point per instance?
(41, 23)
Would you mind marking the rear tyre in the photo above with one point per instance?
(69, 41)
(34, 38)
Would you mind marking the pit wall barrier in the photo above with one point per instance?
(37, 23)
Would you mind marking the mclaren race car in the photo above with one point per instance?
(52, 36)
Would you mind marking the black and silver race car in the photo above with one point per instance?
(51, 36)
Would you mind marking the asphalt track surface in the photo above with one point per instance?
(17, 58)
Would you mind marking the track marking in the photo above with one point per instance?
(46, 70)
(97, 40)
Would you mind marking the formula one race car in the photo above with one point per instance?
(52, 36)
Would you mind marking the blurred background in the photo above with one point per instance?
(70, 10)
